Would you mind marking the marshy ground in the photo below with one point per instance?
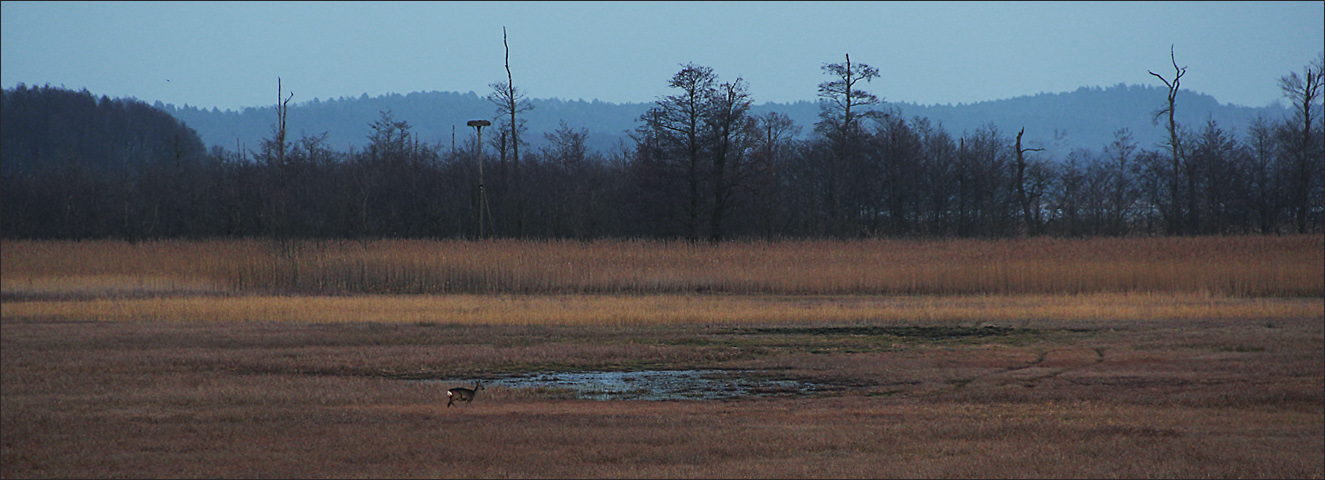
(1175, 398)
(158, 381)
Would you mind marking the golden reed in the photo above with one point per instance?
(1257, 266)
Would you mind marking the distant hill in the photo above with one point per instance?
(431, 115)
(1059, 122)
(1089, 116)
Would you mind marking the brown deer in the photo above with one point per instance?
(463, 394)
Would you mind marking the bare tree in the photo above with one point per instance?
(1070, 193)
(679, 122)
(1176, 218)
(938, 189)
(1221, 179)
(894, 161)
(274, 154)
(993, 206)
(1031, 218)
(282, 110)
(510, 102)
(1264, 183)
(730, 123)
(1122, 193)
(768, 167)
(1303, 142)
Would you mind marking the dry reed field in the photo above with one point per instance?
(1164, 357)
(1288, 266)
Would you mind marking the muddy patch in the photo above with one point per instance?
(657, 385)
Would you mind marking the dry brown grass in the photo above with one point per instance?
(1194, 357)
(1237, 266)
(1176, 398)
(624, 310)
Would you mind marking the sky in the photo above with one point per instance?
(229, 54)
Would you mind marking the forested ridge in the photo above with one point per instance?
(702, 163)
(1084, 118)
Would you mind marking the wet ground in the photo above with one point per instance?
(655, 384)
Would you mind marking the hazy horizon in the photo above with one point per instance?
(229, 54)
(1277, 103)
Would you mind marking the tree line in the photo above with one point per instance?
(700, 166)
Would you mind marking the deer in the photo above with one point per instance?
(463, 394)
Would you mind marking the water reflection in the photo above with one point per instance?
(658, 384)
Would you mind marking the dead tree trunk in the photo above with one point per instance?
(1032, 222)
(1177, 220)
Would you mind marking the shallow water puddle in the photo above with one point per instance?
(658, 384)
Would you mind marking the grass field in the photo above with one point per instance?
(1194, 357)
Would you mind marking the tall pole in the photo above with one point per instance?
(482, 193)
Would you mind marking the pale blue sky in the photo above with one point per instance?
(228, 54)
